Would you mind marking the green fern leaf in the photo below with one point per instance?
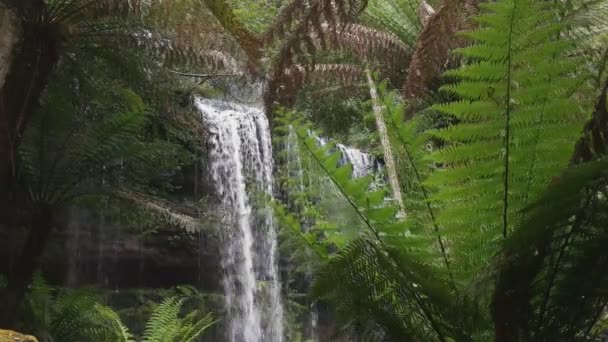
(517, 127)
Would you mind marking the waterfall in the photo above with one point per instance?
(296, 170)
(241, 158)
(362, 163)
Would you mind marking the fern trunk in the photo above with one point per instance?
(8, 39)
(389, 159)
(250, 43)
(25, 81)
(21, 275)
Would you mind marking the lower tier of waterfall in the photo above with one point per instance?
(241, 164)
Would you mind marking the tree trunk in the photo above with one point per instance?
(36, 56)
(8, 39)
(21, 276)
(249, 42)
(391, 166)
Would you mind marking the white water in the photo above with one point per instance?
(296, 170)
(241, 155)
(362, 163)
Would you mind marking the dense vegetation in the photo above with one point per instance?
(487, 222)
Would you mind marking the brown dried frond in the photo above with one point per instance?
(311, 13)
(310, 25)
(307, 25)
(209, 60)
(328, 74)
(295, 77)
(369, 44)
(286, 17)
(149, 44)
(432, 55)
(188, 26)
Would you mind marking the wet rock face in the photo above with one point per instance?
(13, 336)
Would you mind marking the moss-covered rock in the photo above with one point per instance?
(12, 336)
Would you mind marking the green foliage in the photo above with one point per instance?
(166, 325)
(388, 286)
(76, 315)
(495, 207)
(517, 125)
(397, 16)
(73, 148)
(255, 15)
(93, 140)
(547, 266)
(70, 315)
(379, 241)
(332, 113)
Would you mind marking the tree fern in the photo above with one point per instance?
(518, 125)
(82, 156)
(397, 245)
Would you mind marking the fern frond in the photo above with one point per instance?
(370, 206)
(164, 324)
(365, 282)
(115, 323)
(319, 75)
(411, 143)
(156, 206)
(397, 16)
(559, 233)
(369, 44)
(518, 125)
(194, 331)
(62, 159)
(541, 266)
(307, 15)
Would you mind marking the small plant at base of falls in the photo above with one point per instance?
(77, 316)
(166, 325)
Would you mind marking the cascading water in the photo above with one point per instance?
(362, 163)
(241, 155)
(296, 171)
